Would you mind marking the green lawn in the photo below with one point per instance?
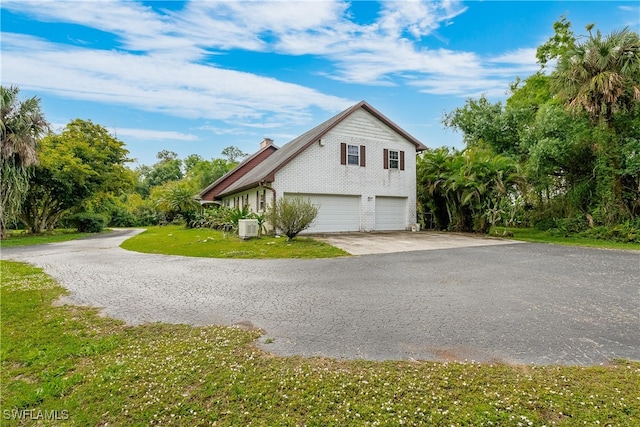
(70, 363)
(21, 238)
(539, 236)
(204, 242)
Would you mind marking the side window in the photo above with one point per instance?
(352, 154)
(393, 159)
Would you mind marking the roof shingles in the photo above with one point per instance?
(265, 170)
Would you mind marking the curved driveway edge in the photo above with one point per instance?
(523, 303)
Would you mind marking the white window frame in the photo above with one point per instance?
(353, 158)
(394, 163)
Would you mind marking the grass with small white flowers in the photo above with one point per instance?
(70, 363)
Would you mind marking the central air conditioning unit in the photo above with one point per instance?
(248, 228)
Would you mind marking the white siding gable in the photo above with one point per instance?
(318, 169)
(361, 124)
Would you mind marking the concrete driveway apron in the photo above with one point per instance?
(515, 303)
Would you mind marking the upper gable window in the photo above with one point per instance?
(394, 159)
(352, 154)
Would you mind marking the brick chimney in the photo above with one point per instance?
(266, 142)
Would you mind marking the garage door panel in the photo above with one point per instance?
(391, 213)
(335, 212)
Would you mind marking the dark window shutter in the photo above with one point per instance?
(363, 161)
(402, 160)
(343, 153)
(385, 160)
(257, 201)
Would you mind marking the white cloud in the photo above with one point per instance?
(160, 63)
(524, 57)
(156, 83)
(137, 27)
(633, 14)
(148, 134)
(464, 88)
(155, 135)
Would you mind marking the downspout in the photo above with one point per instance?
(273, 190)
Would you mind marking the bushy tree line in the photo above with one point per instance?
(80, 176)
(468, 190)
(566, 144)
(563, 152)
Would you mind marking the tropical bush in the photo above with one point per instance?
(87, 222)
(176, 200)
(291, 215)
(626, 232)
(217, 217)
(469, 190)
(236, 214)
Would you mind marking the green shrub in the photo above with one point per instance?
(572, 225)
(88, 222)
(291, 215)
(215, 217)
(544, 224)
(236, 214)
(121, 217)
(625, 232)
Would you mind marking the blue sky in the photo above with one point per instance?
(196, 77)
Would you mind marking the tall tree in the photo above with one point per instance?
(562, 41)
(601, 76)
(168, 168)
(22, 124)
(204, 172)
(234, 154)
(77, 164)
(484, 125)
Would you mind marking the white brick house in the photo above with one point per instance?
(358, 167)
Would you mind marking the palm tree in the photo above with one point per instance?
(22, 124)
(432, 173)
(177, 198)
(601, 75)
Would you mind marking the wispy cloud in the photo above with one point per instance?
(156, 83)
(159, 64)
(633, 14)
(153, 135)
(388, 51)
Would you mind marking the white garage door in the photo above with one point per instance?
(391, 213)
(335, 213)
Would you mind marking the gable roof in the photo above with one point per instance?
(266, 170)
(236, 173)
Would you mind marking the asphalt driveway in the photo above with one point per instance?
(515, 303)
